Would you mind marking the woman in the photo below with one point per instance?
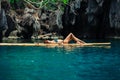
(66, 40)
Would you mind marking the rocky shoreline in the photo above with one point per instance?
(90, 19)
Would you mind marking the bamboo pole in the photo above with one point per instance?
(45, 44)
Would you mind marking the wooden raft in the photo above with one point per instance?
(43, 44)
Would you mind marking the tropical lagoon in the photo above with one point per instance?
(60, 63)
(31, 21)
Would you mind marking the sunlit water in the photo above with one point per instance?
(60, 63)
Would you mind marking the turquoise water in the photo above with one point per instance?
(60, 63)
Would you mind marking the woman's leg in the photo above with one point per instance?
(76, 39)
(68, 38)
(72, 37)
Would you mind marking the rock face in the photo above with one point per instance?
(92, 18)
(3, 19)
(84, 18)
(114, 16)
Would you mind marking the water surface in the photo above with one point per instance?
(60, 63)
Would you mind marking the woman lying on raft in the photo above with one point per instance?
(66, 40)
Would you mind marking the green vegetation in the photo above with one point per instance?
(48, 4)
(44, 1)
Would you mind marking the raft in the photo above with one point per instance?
(44, 44)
